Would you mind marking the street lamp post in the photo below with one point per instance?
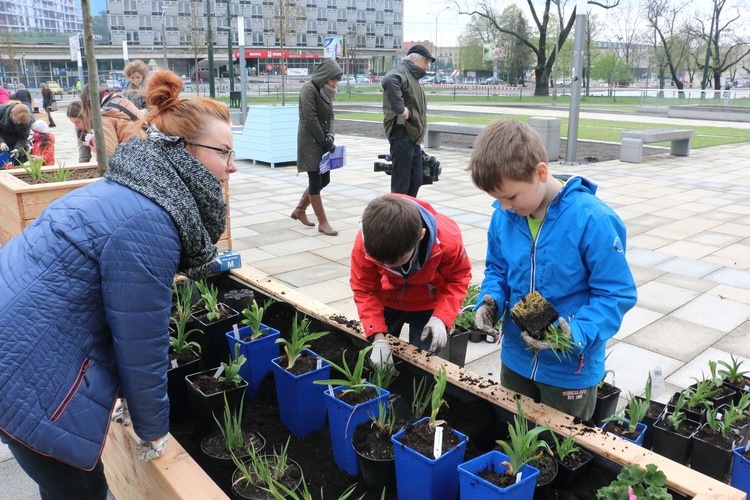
(436, 44)
(164, 35)
(575, 86)
(230, 69)
(210, 47)
(23, 69)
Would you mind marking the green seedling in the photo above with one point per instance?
(436, 397)
(231, 374)
(353, 380)
(231, 428)
(524, 446)
(732, 372)
(210, 300)
(299, 340)
(253, 317)
(421, 393)
(678, 416)
(565, 447)
(632, 414)
(632, 480)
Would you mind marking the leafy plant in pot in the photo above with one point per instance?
(257, 475)
(673, 433)
(301, 402)
(509, 473)
(723, 394)
(572, 461)
(428, 452)
(256, 342)
(741, 467)
(372, 442)
(714, 441)
(215, 320)
(349, 403)
(698, 401)
(632, 481)
(627, 423)
(232, 439)
(206, 389)
(654, 411)
(464, 325)
(184, 356)
(735, 377)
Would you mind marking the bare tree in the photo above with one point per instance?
(287, 19)
(719, 58)
(628, 31)
(663, 18)
(593, 29)
(8, 52)
(192, 28)
(542, 18)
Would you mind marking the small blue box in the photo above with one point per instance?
(229, 259)
(338, 157)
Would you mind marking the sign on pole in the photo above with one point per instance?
(333, 47)
(75, 47)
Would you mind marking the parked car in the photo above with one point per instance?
(492, 81)
(56, 89)
(348, 78)
(362, 79)
(446, 80)
(427, 79)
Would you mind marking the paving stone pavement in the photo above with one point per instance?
(688, 221)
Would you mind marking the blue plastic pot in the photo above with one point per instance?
(420, 477)
(259, 353)
(640, 426)
(740, 471)
(301, 403)
(343, 418)
(474, 487)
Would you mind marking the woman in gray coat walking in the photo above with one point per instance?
(315, 137)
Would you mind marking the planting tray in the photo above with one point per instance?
(177, 475)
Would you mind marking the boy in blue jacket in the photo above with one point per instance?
(554, 236)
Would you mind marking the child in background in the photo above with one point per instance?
(44, 142)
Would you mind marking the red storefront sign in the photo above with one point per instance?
(275, 54)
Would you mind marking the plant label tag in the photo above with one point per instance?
(718, 416)
(518, 477)
(657, 380)
(319, 363)
(747, 446)
(219, 371)
(174, 363)
(437, 445)
(330, 389)
(236, 331)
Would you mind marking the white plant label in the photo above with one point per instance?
(330, 389)
(174, 363)
(518, 477)
(236, 331)
(437, 445)
(747, 447)
(219, 371)
(319, 363)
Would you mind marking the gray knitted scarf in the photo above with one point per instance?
(162, 170)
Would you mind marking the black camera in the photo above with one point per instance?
(431, 169)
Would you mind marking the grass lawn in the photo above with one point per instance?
(590, 130)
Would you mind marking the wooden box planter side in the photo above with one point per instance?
(174, 475)
(680, 478)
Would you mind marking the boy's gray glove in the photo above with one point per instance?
(437, 330)
(484, 317)
(540, 345)
(328, 144)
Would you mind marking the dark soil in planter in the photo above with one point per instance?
(478, 419)
(215, 446)
(304, 364)
(716, 439)
(547, 471)
(209, 385)
(183, 358)
(368, 441)
(75, 175)
(621, 430)
(224, 313)
(421, 437)
(574, 460)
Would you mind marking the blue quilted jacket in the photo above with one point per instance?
(85, 294)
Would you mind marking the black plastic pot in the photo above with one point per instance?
(238, 299)
(695, 414)
(542, 486)
(378, 474)
(476, 337)
(567, 475)
(204, 406)
(655, 412)
(710, 459)
(179, 404)
(671, 444)
(213, 342)
(606, 404)
(455, 348)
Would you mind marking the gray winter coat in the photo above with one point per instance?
(401, 89)
(315, 117)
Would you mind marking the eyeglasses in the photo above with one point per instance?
(223, 151)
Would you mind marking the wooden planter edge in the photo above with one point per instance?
(178, 476)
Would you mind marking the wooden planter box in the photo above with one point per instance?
(176, 475)
(21, 203)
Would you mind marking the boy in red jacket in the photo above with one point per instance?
(408, 265)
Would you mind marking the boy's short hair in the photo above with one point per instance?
(505, 150)
(19, 112)
(391, 227)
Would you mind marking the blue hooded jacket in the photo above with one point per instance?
(85, 294)
(578, 264)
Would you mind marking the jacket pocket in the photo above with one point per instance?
(72, 391)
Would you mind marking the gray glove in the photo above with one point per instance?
(328, 144)
(435, 329)
(3, 146)
(540, 345)
(484, 317)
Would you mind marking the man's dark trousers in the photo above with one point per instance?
(406, 155)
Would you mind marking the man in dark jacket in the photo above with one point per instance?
(405, 119)
(15, 127)
(22, 94)
(47, 102)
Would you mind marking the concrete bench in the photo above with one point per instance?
(632, 142)
(433, 137)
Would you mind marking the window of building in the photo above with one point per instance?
(311, 27)
(256, 11)
(360, 17)
(322, 15)
(341, 15)
(397, 18)
(379, 42)
(257, 38)
(351, 4)
(133, 37)
(302, 39)
(370, 5)
(332, 30)
(379, 17)
(332, 4)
